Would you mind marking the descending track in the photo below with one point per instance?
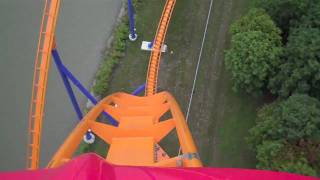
(136, 140)
(143, 122)
(40, 77)
(45, 44)
(154, 62)
(42, 62)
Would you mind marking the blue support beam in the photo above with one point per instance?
(84, 91)
(139, 90)
(66, 74)
(133, 34)
(66, 83)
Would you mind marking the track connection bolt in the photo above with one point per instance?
(89, 137)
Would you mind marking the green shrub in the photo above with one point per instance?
(300, 71)
(255, 51)
(285, 12)
(281, 156)
(287, 135)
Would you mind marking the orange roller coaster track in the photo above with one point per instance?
(142, 124)
(135, 140)
(40, 77)
(154, 62)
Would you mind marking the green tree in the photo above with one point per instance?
(312, 18)
(287, 135)
(283, 12)
(300, 72)
(293, 120)
(255, 51)
(256, 20)
(281, 156)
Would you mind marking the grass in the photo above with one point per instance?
(220, 118)
(228, 114)
(131, 71)
(231, 128)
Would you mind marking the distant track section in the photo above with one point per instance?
(40, 77)
(154, 62)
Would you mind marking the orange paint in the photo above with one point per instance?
(154, 62)
(135, 141)
(40, 77)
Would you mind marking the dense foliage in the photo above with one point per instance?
(299, 72)
(256, 20)
(255, 51)
(312, 17)
(287, 135)
(285, 12)
(281, 156)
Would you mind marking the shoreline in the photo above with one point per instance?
(115, 49)
(105, 52)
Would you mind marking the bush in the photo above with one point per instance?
(255, 51)
(276, 155)
(300, 72)
(293, 120)
(285, 12)
(256, 20)
(287, 135)
(312, 18)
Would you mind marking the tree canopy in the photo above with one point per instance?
(283, 12)
(256, 20)
(312, 18)
(287, 135)
(281, 156)
(255, 51)
(300, 72)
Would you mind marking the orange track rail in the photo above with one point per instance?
(136, 140)
(40, 77)
(154, 62)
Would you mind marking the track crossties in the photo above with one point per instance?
(152, 77)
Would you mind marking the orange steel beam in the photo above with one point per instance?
(40, 77)
(154, 62)
(135, 140)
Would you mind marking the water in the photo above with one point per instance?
(82, 29)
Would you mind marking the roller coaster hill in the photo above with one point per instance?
(135, 128)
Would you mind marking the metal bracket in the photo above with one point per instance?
(189, 156)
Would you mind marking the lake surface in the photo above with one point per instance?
(83, 27)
